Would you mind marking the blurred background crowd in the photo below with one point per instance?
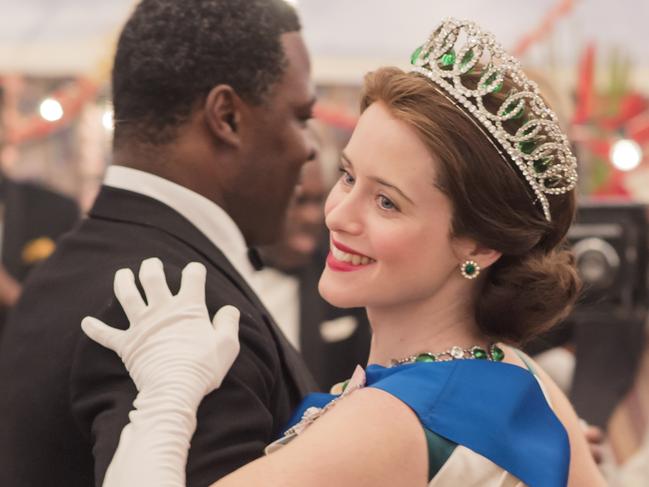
(590, 58)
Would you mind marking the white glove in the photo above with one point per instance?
(175, 355)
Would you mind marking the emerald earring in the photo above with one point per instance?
(470, 269)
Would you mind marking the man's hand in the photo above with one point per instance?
(9, 289)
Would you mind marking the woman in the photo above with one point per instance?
(455, 195)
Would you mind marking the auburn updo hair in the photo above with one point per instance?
(534, 284)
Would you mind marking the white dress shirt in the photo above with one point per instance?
(208, 217)
(280, 293)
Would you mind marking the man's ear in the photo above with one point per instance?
(223, 114)
(467, 249)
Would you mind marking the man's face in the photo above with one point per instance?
(275, 145)
(304, 222)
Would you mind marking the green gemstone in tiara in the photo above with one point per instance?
(467, 58)
(541, 165)
(490, 81)
(541, 148)
(529, 130)
(527, 147)
(415, 55)
(520, 111)
(447, 60)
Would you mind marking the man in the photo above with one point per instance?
(32, 218)
(211, 99)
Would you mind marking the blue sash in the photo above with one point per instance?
(496, 409)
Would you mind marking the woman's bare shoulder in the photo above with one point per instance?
(583, 469)
(369, 438)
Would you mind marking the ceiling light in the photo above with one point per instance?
(107, 119)
(51, 110)
(626, 154)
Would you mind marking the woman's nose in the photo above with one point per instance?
(344, 214)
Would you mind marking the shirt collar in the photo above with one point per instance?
(208, 217)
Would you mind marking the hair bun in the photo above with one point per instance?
(524, 296)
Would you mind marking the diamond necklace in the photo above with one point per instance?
(494, 353)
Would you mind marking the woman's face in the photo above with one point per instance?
(390, 225)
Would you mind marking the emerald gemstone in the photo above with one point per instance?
(511, 107)
(469, 269)
(425, 357)
(527, 147)
(529, 130)
(466, 59)
(551, 182)
(479, 353)
(540, 165)
(447, 60)
(415, 55)
(490, 80)
(497, 354)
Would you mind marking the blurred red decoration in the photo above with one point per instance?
(73, 96)
(603, 117)
(561, 9)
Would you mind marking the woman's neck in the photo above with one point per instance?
(433, 325)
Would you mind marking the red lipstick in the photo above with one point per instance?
(338, 265)
(344, 248)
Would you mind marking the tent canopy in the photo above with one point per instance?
(64, 37)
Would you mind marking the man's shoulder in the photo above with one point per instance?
(77, 280)
(85, 261)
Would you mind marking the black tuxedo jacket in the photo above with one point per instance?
(65, 399)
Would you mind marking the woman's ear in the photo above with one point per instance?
(223, 114)
(467, 249)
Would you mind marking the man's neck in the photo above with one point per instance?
(172, 167)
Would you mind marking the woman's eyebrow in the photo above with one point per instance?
(381, 181)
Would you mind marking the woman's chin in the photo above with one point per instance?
(336, 295)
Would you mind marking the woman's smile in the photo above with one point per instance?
(343, 258)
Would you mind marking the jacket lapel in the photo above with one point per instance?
(121, 205)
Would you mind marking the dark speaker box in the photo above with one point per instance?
(608, 323)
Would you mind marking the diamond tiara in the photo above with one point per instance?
(539, 148)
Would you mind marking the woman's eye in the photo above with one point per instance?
(346, 178)
(386, 204)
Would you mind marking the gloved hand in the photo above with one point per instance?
(175, 356)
